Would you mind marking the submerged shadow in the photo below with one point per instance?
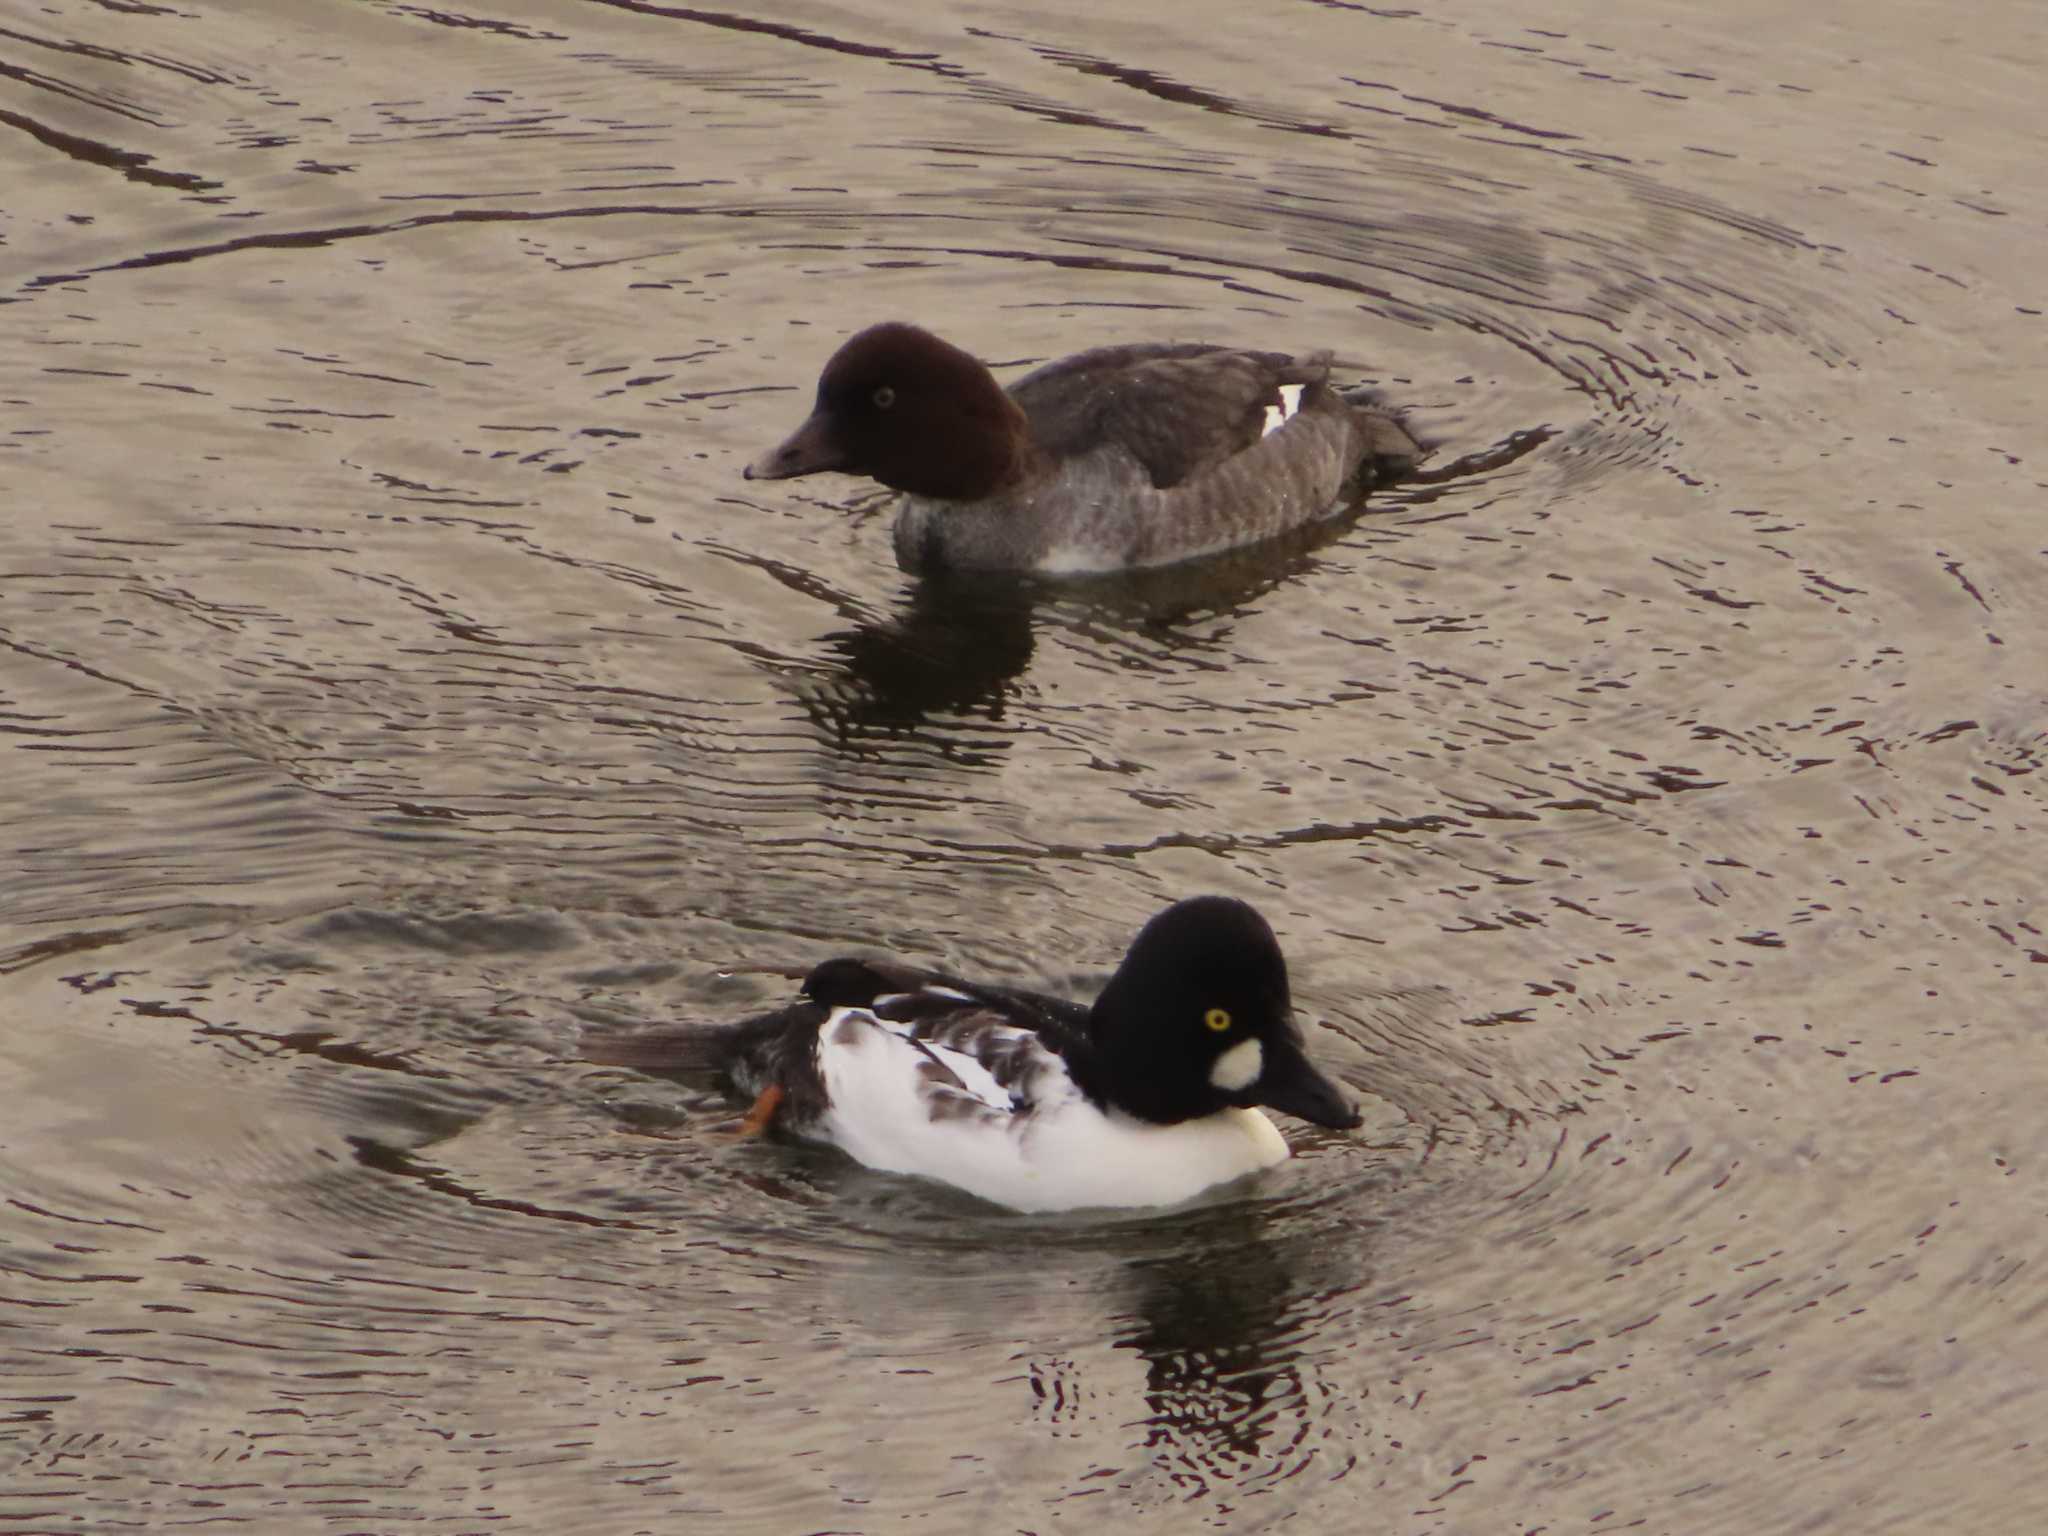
(955, 649)
(959, 646)
(1231, 1386)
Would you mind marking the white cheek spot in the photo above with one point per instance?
(1239, 1067)
(1277, 415)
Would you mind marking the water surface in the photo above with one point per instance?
(396, 677)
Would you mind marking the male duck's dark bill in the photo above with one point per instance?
(1291, 1084)
(810, 448)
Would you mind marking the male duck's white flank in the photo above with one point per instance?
(1110, 459)
(1028, 1101)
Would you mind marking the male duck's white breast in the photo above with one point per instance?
(1079, 1157)
(905, 1105)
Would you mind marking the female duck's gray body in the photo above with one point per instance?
(1113, 458)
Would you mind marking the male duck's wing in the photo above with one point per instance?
(946, 1052)
(937, 1000)
(1175, 409)
(1007, 1064)
(947, 1094)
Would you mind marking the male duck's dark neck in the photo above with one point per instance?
(1121, 1079)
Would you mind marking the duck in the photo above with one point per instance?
(1148, 1097)
(1112, 459)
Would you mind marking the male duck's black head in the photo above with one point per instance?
(1198, 1018)
(916, 413)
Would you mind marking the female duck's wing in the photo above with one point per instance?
(1177, 410)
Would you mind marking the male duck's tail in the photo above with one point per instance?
(683, 1049)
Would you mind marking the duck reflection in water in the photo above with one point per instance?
(957, 650)
(960, 645)
(1233, 1390)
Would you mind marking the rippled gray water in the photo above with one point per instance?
(396, 676)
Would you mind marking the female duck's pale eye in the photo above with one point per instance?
(884, 398)
(1217, 1019)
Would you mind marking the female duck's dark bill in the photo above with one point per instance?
(810, 448)
(1291, 1084)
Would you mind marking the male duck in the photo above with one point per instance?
(1031, 1101)
(1113, 458)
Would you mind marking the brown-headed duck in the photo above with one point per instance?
(1110, 459)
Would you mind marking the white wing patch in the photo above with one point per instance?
(1277, 416)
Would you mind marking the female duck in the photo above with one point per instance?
(1114, 458)
(1029, 1101)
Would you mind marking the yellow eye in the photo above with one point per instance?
(1217, 1019)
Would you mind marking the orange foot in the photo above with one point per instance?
(762, 1115)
